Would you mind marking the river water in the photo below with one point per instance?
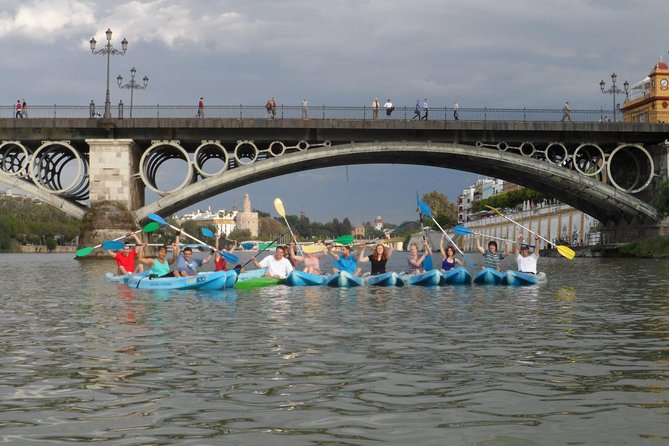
(583, 360)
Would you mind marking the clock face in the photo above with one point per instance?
(664, 83)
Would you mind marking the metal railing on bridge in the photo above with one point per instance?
(323, 112)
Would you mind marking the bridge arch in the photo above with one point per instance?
(602, 201)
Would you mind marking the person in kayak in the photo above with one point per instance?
(415, 261)
(125, 258)
(219, 262)
(493, 258)
(311, 260)
(377, 259)
(448, 260)
(526, 260)
(276, 265)
(187, 265)
(160, 265)
(345, 261)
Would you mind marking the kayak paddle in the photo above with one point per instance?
(461, 230)
(226, 255)
(206, 232)
(427, 262)
(425, 209)
(278, 205)
(565, 251)
(150, 227)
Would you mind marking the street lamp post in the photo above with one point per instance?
(615, 90)
(132, 85)
(108, 50)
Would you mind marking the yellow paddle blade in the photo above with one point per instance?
(313, 249)
(278, 205)
(566, 251)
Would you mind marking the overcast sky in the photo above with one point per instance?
(520, 53)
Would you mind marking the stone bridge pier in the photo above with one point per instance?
(115, 191)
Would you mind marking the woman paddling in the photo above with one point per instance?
(377, 259)
(448, 261)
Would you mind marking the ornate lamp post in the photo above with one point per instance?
(615, 90)
(108, 50)
(132, 85)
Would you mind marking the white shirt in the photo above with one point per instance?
(528, 264)
(279, 268)
(388, 104)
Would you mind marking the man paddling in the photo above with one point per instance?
(345, 261)
(527, 262)
(125, 258)
(277, 265)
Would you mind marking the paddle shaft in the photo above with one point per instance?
(427, 261)
(225, 255)
(518, 224)
(262, 250)
(469, 262)
(114, 240)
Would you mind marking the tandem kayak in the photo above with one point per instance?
(516, 278)
(386, 279)
(258, 282)
(489, 276)
(112, 278)
(432, 277)
(300, 278)
(342, 279)
(229, 281)
(210, 281)
(457, 276)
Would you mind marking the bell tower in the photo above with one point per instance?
(649, 98)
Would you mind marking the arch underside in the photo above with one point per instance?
(603, 202)
(70, 207)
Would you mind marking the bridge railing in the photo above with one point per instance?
(323, 112)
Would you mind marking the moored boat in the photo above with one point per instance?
(516, 278)
(342, 279)
(300, 278)
(386, 279)
(457, 276)
(432, 277)
(489, 276)
(210, 281)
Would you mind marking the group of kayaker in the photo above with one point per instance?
(284, 260)
(160, 266)
(526, 259)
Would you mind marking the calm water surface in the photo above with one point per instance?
(583, 360)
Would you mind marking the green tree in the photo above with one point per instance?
(240, 235)
(445, 212)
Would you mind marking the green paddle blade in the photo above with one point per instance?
(150, 227)
(264, 246)
(85, 251)
(344, 239)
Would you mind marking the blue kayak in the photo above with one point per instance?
(300, 278)
(342, 279)
(516, 278)
(386, 279)
(432, 277)
(489, 276)
(209, 281)
(457, 276)
(229, 282)
(112, 278)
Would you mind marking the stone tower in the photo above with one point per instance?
(247, 219)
